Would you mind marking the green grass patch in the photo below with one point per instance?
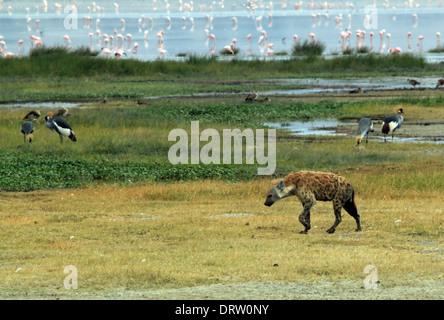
(59, 62)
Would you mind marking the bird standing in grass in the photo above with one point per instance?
(365, 126)
(27, 129)
(32, 115)
(357, 90)
(60, 126)
(63, 112)
(413, 82)
(440, 83)
(391, 123)
(252, 97)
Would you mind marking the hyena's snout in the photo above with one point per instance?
(269, 201)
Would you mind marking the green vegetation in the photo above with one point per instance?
(58, 74)
(436, 50)
(122, 142)
(308, 48)
(57, 62)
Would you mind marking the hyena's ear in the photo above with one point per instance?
(281, 185)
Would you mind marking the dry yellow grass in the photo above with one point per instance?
(186, 234)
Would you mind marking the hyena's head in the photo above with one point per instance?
(277, 192)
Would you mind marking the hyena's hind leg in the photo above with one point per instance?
(304, 217)
(350, 207)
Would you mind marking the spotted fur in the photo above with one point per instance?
(311, 186)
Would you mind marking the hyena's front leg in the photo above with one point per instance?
(304, 217)
(337, 209)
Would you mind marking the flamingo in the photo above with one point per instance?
(106, 51)
(136, 45)
(160, 36)
(37, 40)
(161, 52)
(262, 43)
(90, 35)
(409, 34)
(168, 23)
(313, 37)
(270, 50)
(19, 45)
(395, 50)
(438, 40)
(415, 20)
(389, 37)
(212, 37)
(119, 53)
(67, 40)
(130, 40)
(234, 23)
(264, 34)
(381, 36)
(230, 47)
(419, 44)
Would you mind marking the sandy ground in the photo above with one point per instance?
(322, 290)
(302, 291)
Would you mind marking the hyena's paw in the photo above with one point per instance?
(331, 230)
(359, 229)
(303, 232)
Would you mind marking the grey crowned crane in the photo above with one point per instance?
(60, 126)
(252, 97)
(391, 123)
(413, 82)
(365, 126)
(63, 112)
(32, 115)
(27, 129)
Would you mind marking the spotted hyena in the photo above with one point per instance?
(309, 186)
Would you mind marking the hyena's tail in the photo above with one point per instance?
(350, 207)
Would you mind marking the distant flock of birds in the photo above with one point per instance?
(413, 82)
(53, 123)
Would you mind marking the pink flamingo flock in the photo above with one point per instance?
(117, 43)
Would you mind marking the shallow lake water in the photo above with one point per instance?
(333, 127)
(186, 26)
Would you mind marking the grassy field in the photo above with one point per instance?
(54, 74)
(136, 226)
